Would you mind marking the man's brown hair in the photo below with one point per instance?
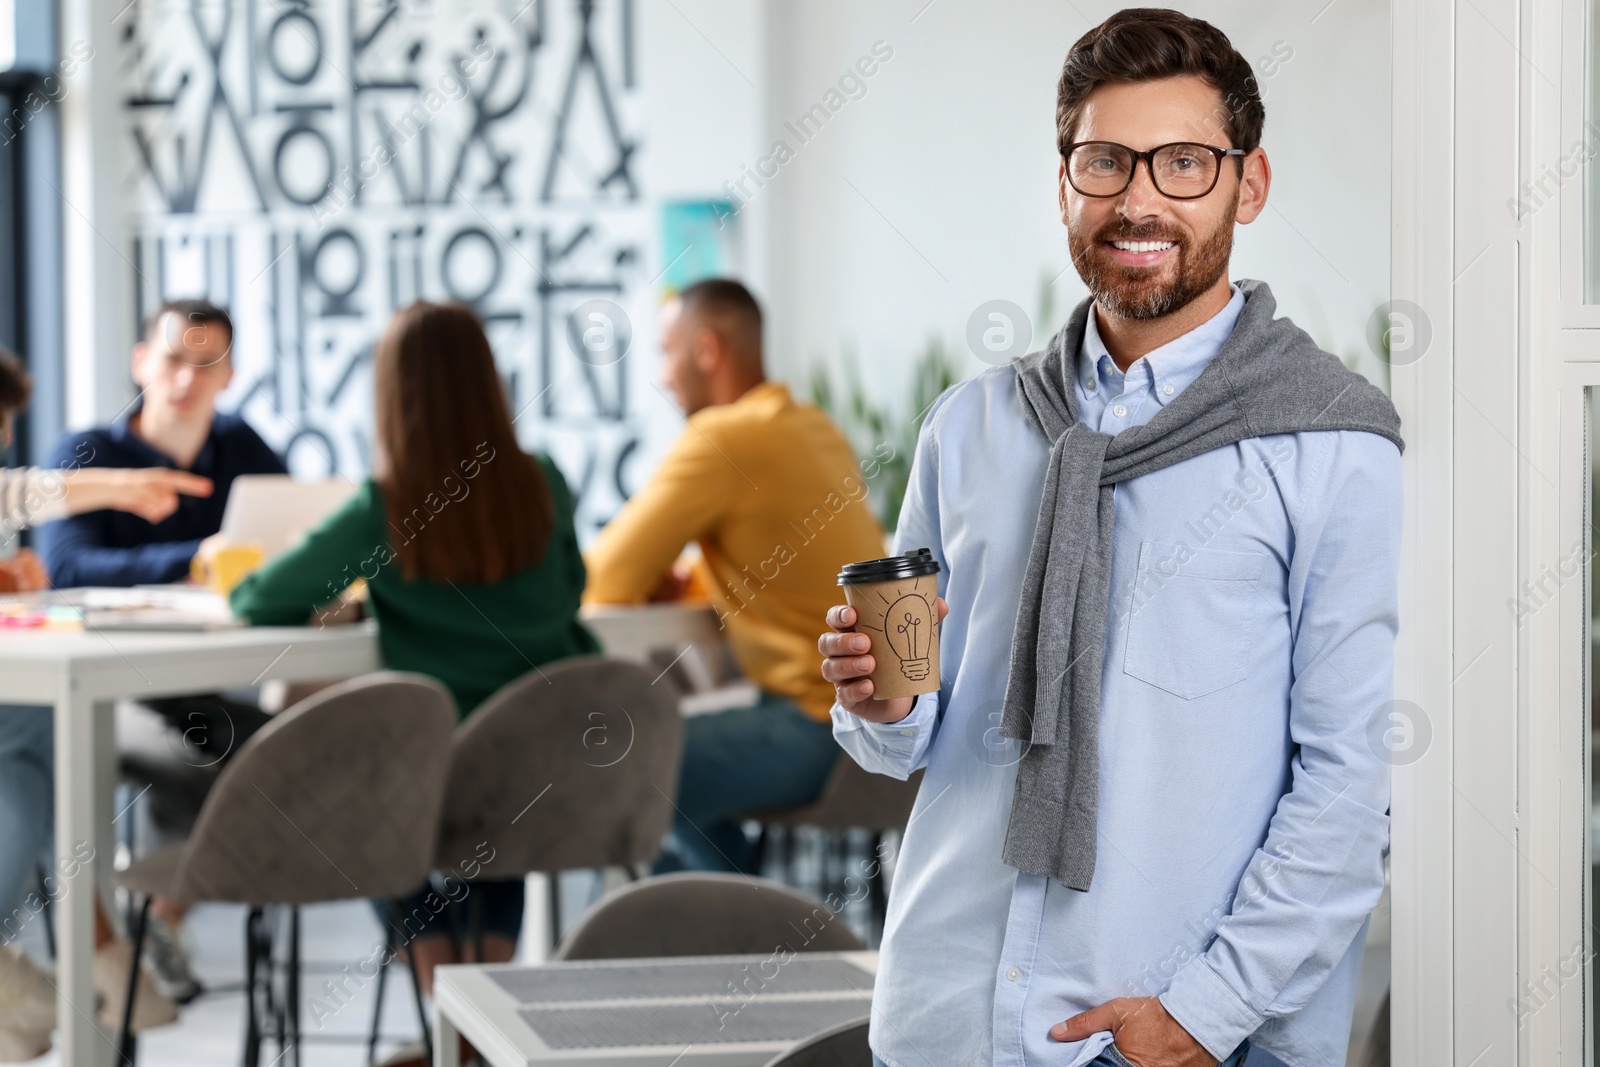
(728, 308)
(15, 383)
(464, 502)
(194, 312)
(1142, 44)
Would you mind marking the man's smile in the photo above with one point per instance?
(1139, 253)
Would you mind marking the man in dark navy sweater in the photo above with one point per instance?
(181, 366)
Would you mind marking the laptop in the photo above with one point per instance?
(276, 511)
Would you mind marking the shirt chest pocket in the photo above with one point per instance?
(1193, 618)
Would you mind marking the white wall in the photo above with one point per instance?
(926, 196)
(704, 67)
(935, 191)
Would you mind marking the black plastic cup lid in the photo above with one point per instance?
(913, 564)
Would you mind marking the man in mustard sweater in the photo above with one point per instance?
(770, 490)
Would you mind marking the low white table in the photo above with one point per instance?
(690, 1011)
(81, 674)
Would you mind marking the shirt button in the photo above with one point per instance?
(1120, 410)
(908, 733)
(1013, 974)
(1167, 389)
(1088, 384)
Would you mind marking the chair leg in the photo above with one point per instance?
(48, 911)
(276, 1009)
(553, 884)
(126, 1049)
(758, 852)
(475, 925)
(422, 1012)
(879, 891)
(835, 853)
(252, 1026)
(383, 977)
(293, 994)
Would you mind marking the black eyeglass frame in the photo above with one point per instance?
(1149, 156)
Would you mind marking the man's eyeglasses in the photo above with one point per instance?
(1182, 170)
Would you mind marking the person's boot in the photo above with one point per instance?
(27, 1007)
(150, 1007)
(167, 960)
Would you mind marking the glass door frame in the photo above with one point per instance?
(1490, 851)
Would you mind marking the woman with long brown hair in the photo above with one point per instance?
(466, 544)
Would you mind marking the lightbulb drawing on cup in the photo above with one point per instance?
(909, 626)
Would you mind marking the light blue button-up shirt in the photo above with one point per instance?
(1243, 796)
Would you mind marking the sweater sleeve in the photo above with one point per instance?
(686, 497)
(349, 544)
(76, 549)
(29, 496)
(75, 554)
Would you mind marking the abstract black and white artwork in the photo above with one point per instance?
(312, 165)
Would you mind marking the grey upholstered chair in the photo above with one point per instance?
(844, 1045)
(851, 798)
(573, 765)
(695, 914)
(336, 798)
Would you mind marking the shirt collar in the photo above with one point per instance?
(1175, 364)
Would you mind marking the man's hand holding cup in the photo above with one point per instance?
(848, 661)
(884, 650)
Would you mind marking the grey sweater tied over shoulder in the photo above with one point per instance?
(1268, 378)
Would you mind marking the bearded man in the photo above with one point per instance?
(1154, 815)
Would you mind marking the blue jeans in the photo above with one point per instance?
(430, 912)
(772, 755)
(1112, 1058)
(27, 809)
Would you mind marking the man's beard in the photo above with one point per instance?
(1140, 292)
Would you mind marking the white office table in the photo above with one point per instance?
(700, 1011)
(633, 631)
(81, 674)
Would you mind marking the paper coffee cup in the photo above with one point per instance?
(896, 606)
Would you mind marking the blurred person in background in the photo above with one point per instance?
(486, 590)
(183, 363)
(30, 496)
(175, 745)
(27, 752)
(770, 490)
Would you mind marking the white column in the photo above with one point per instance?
(84, 737)
(98, 268)
(1422, 805)
(1489, 825)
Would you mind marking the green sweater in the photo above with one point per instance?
(472, 638)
